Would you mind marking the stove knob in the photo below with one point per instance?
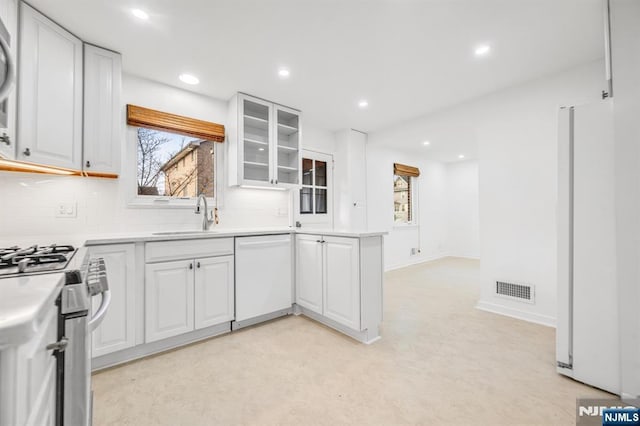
(22, 265)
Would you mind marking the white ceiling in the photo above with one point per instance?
(406, 57)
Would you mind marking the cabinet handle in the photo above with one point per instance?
(5, 139)
(190, 265)
(88, 163)
(276, 181)
(27, 152)
(198, 264)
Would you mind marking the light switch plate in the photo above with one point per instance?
(67, 210)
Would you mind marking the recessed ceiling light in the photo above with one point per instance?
(482, 50)
(461, 156)
(260, 149)
(140, 14)
(426, 143)
(284, 73)
(363, 103)
(189, 79)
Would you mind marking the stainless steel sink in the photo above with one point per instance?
(184, 232)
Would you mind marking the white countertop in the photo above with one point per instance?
(121, 238)
(23, 302)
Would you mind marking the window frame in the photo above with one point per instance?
(130, 174)
(315, 218)
(413, 202)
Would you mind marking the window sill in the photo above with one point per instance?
(190, 203)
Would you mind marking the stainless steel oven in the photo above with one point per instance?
(73, 349)
(84, 278)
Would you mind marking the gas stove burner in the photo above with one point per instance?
(53, 248)
(38, 258)
(34, 258)
(10, 252)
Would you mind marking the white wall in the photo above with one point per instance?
(463, 234)
(517, 139)
(515, 133)
(350, 180)
(29, 200)
(430, 234)
(626, 89)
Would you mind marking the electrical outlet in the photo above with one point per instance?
(67, 210)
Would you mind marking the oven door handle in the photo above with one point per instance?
(102, 310)
(11, 70)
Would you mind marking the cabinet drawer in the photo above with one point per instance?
(187, 249)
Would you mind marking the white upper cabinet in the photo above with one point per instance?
(50, 90)
(264, 143)
(102, 110)
(287, 159)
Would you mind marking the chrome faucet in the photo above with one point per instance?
(207, 219)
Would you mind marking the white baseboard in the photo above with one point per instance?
(413, 261)
(516, 313)
(416, 261)
(464, 256)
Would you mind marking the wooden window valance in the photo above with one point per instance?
(404, 170)
(158, 120)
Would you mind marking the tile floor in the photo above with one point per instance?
(441, 361)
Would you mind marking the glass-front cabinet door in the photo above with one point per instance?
(256, 135)
(264, 143)
(287, 152)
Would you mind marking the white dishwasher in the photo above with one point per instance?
(264, 277)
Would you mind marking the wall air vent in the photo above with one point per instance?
(513, 291)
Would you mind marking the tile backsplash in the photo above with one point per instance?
(29, 205)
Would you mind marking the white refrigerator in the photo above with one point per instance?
(587, 346)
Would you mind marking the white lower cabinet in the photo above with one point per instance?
(117, 329)
(328, 277)
(169, 299)
(185, 290)
(341, 274)
(184, 295)
(213, 291)
(309, 272)
(28, 378)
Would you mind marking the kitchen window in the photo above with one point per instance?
(314, 198)
(162, 169)
(405, 194)
(176, 158)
